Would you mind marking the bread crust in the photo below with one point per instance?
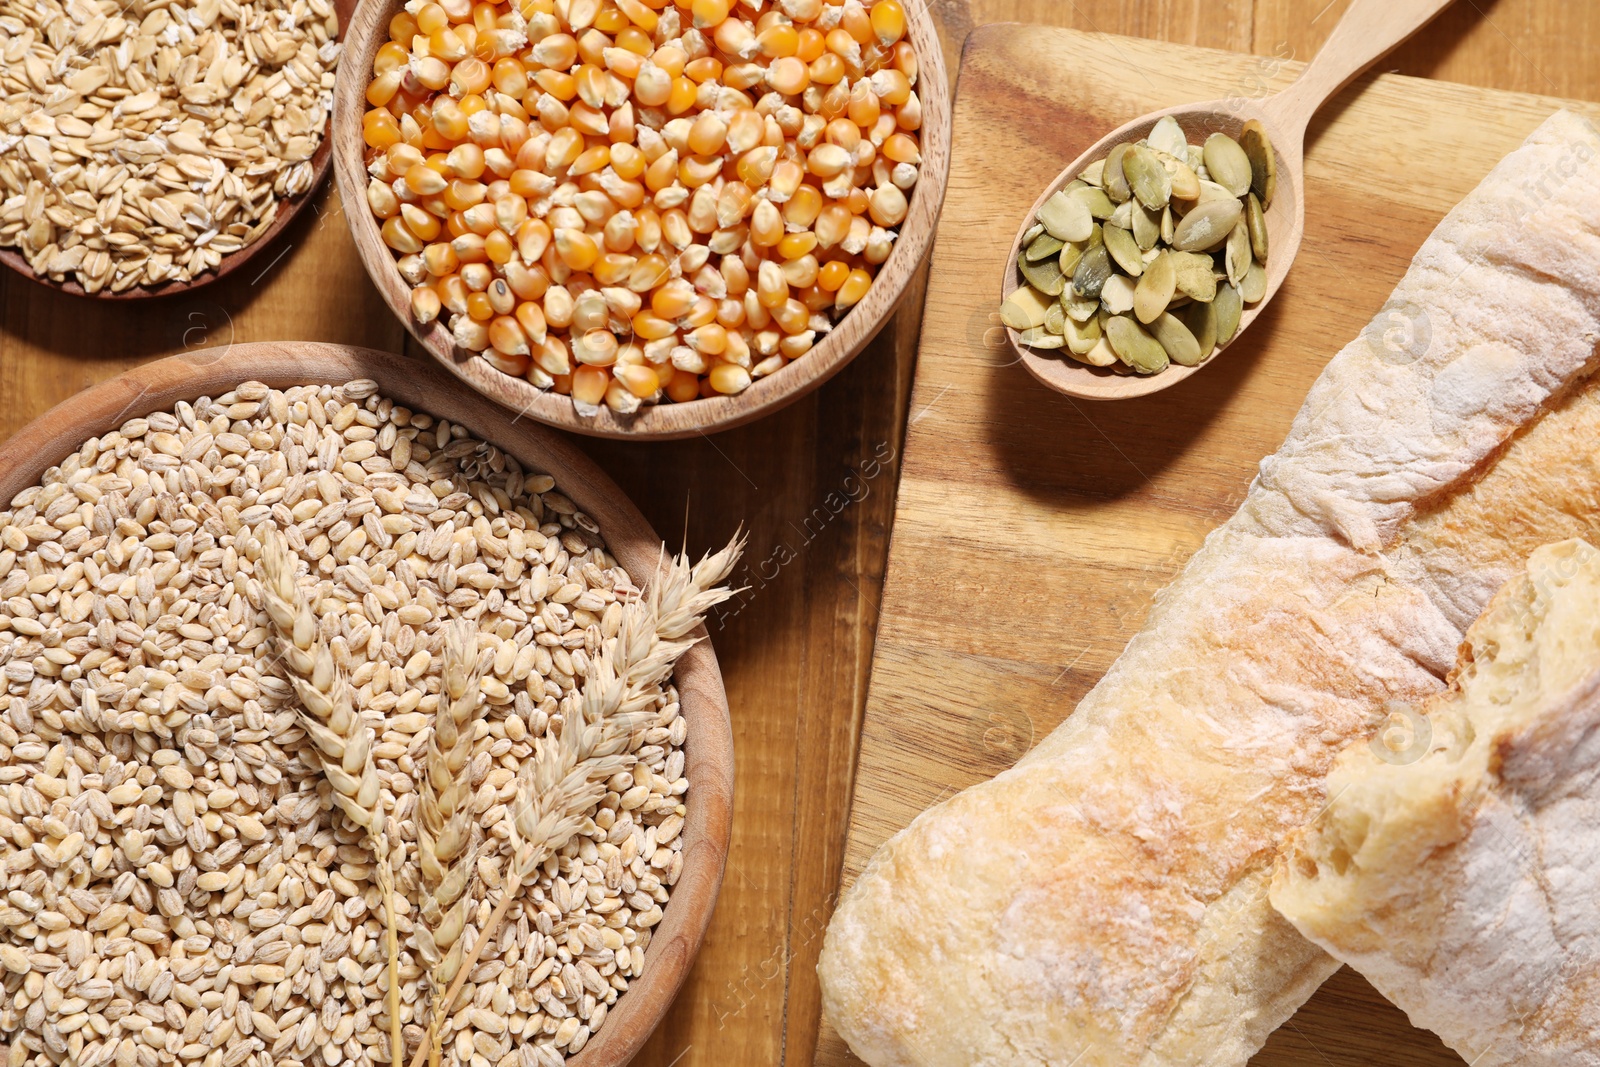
(1463, 878)
(1104, 902)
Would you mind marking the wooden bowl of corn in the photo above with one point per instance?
(642, 218)
(251, 406)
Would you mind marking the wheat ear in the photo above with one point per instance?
(444, 822)
(568, 772)
(342, 743)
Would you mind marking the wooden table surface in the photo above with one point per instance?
(814, 486)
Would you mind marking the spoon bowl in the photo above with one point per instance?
(1369, 30)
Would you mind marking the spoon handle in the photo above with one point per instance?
(1369, 30)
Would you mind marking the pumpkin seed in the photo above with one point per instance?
(1254, 286)
(1093, 270)
(1195, 275)
(1066, 218)
(1227, 163)
(1031, 233)
(1181, 345)
(1074, 185)
(1256, 218)
(1101, 355)
(1042, 246)
(1083, 336)
(1096, 200)
(1134, 346)
(1079, 309)
(1154, 291)
(1148, 179)
(1055, 319)
(1167, 136)
(1115, 179)
(1228, 308)
(1069, 258)
(1202, 322)
(1116, 296)
(1044, 276)
(1207, 225)
(1123, 215)
(1236, 257)
(1196, 158)
(1263, 164)
(1185, 182)
(1168, 226)
(1025, 309)
(1210, 190)
(1092, 174)
(1039, 337)
(1146, 226)
(1124, 250)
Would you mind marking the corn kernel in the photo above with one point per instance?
(589, 385)
(728, 379)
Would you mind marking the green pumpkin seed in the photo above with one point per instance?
(1236, 256)
(1055, 319)
(1044, 276)
(1181, 346)
(1195, 275)
(1256, 218)
(1124, 250)
(1093, 271)
(1134, 346)
(1154, 291)
(1025, 309)
(1069, 258)
(1043, 246)
(1210, 190)
(1202, 322)
(1116, 296)
(1115, 180)
(1207, 225)
(1254, 285)
(1066, 218)
(1149, 180)
(1032, 233)
(1146, 226)
(1079, 309)
(1167, 136)
(1083, 336)
(1195, 156)
(1101, 355)
(1123, 215)
(1168, 226)
(1228, 307)
(1185, 182)
(1039, 337)
(1263, 164)
(1092, 174)
(1096, 200)
(1227, 164)
(1074, 185)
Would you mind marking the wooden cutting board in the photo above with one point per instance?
(1032, 530)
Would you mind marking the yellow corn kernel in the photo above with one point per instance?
(696, 171)
(673, 299)
(786, 178)
(735, 38)
(652, 87)
(471, 75)
(431, 19)
(558, 83)
(730, 313)
(479, 308)
(576, 249)
(398, 237)
(382, 200)
(402, 28)
(639, 13)
(766, 225)
(566, 145)
(796, 345)
(888, 21)
(479, 219)
(709, 340)
(624, 63)
(857, 23)
(675, 228)
(649, 272)
(683, 386)
(643, 382)
(425, 181)
(554, 358)
(729, 379)
(419, 222)
(383, 88)
(803, 208)
(854, 288)
(909, 117)
(791, 316)
(902, 148)
(708, 134)
(613, 268)
(610, 20)
(832, 225)
(735, 275)
(772, 289)
(425, 304)
(709, 14)
(531, 318)
(788, 76)
(812, 44)
(703, 70)
(827, 69)
(662, 173)
(887, 205)
(595, 346)
(528, 282)
(704, 313)
(827, 161)
(506, 335)
(497, 246)
(893, 87)
(558, 307)
(801, 272)
(618, 232)
(652, 327)
(684, 95)
(452, 294)
(559, 51)
(589, 385)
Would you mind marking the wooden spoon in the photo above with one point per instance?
(289, 208)
(1369, 30)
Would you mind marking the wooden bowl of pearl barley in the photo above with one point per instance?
(164, 499)
(642, 218)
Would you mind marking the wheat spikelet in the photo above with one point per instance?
(567, 774)
(444, 819)
(343, 744)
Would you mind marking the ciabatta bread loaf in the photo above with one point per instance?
(1104, 902)
(1459, 870)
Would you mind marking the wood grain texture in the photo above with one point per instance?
(708, 747)
(659, 422)
(266, 245)
(795, 656)
(1032, 530)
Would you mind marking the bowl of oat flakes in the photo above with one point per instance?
(336, 705)
(152, 147)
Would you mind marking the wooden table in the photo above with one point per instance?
(814, 485)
